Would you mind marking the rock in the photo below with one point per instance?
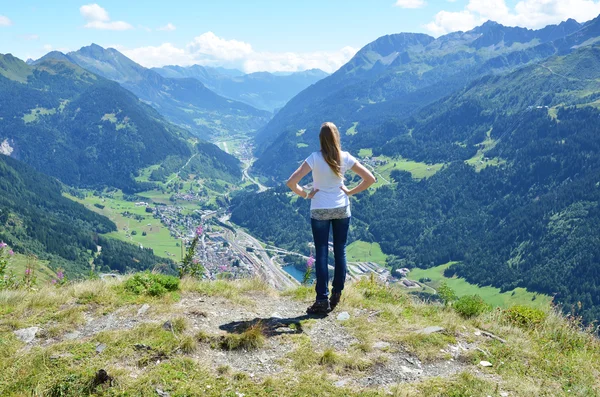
(26, 335)
(430, 330)
(343, 316)
(477, 333)
(102, 377)
(142, 310)
(100, 348)
(381, 345)
(276, 315)
(485, 363)
(72, 335)
(162, 393)
(341, 383)
(503, 394)
(168, 326)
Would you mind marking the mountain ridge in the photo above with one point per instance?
(264, 90)
(185, 102)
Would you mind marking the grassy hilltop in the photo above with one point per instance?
(157, 336)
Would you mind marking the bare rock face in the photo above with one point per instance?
(26, 335)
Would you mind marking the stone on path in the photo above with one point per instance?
(485, 363)
(100, 348)
(142, 310)
(72, 335)
(381, 345)
(26, 335)
(343, 316)
(430, 330)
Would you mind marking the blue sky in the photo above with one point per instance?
(258, 34)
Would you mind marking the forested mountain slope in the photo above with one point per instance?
(89, 131)
(516, 202)
(394, 77)
(36, 219)
(262, 90)
(186, 102)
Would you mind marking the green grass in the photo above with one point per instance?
(157, 236)
(418, 170)
(479, 161)
(352, 130)
(490, 295)
(554, 358)
(365, 153)
(18, 263)
(36, 113)
(361, 251)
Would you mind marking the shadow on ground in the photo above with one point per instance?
(271, 326)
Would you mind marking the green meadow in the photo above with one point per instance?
(361, 251)
(492, 295)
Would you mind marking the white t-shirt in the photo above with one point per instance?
(329, 195)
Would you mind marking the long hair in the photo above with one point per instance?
(331, 147)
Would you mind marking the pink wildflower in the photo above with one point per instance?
(3, 244)
(222, 268)
(310, 262)
(11, 252)
(199, 230)
(60, 275)
(28, 271)
(195, 261)
(54, 281)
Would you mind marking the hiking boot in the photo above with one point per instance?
(319, 307)
(335, 299)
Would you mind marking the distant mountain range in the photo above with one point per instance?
(185, 102)
(263, 90)
(88, 131)
(510, 117)
(395, 76)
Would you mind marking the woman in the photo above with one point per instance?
(329, 207)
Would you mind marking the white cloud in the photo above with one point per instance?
(410, 3)
(212, 45)
(533, 14)
(168, 27)
(210, 49)
(98, 18)
(165, 54)
(5, 21)
(30, 37)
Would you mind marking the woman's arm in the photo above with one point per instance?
(296, 177)
(367, 179)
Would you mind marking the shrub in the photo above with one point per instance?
(470, 306)
(251, 339)
(151, 284)
(446, 293)
(524, 316)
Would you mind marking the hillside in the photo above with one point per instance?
(263, 90)
(35, 219)
(185, 102)
(89, 131)
(394, 77)
(243, 339)
(514, 196)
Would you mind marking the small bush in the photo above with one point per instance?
(446, 293)
(329, 358)
(470, 306)
(524, 316)
(151, 284)
(251, 339)
(188, 344)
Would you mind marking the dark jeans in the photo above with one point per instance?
(320, 230)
